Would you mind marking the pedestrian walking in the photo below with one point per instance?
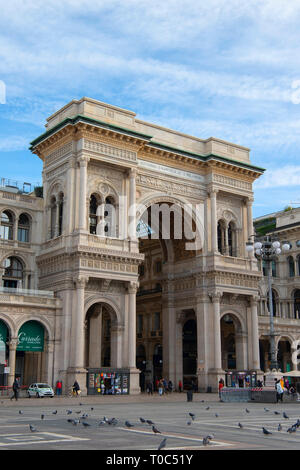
(170, 386)
(180, 386)
(160, 387)
(221, 385)
(15, 387)
(58, 387)
(279, 391)
(149, 388)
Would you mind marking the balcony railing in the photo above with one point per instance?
(29, 292)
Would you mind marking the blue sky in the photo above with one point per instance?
(221, 68)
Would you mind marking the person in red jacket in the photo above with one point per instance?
(221, 385)
(180, 386)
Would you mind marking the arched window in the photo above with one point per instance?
(7, 224)
(60, 213)
(23, 228)
(291, 266)
(297, 303)
(232, 242)
(110, 217)
(53, 208)
(221, 237)
(13, 272)
(93, 214)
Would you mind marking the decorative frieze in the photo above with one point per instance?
(232, 182)
(109, 150)
(55, 156)
(168, 186)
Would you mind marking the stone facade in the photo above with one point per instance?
(103, 171)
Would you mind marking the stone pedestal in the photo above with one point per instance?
(80, 375)
(270, 378)
(134, 381)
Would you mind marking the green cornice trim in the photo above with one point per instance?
(75, 119)
(211, 156)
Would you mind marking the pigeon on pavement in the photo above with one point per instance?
(240, 425)
(192, 416)
(32, 428)
(128, 424)
(279, 427)
(285, 415)
(162, 444)
(155, 430)
(142, 420)
(265, 431)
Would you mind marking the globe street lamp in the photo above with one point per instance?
(267, 249)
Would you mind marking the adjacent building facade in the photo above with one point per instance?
(132, 265)
(285, 226)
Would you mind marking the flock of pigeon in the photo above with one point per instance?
(113, 422)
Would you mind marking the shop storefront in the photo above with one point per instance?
(240, 379)
(107, 381)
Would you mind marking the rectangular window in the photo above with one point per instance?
(139, 323)
(156, 321)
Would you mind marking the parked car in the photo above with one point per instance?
(40, 390)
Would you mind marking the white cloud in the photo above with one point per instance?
(285, 176)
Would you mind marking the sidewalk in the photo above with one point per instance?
(102, 399)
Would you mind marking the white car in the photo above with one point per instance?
(40, 390)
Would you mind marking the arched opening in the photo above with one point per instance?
(13, 275)
(284, 355)
(93, 214)
(23, 228)
(166, 235)
(229, 360)
(264, 354)
(31, 364)
(7, 225)
(4, 351)
(189, 352)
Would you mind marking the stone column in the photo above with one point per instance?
(80, 316)
(169, 351)
(132, 205)
(250, 228)
(214, 221)
(50, 355)
(77, 370)
(83, 163)
(255, 333)
(217, 328)
(69, 212)
(134, 387)
(12, 360)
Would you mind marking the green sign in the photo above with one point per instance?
(31, 337)
(3, 335)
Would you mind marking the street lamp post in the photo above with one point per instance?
(267, 249)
